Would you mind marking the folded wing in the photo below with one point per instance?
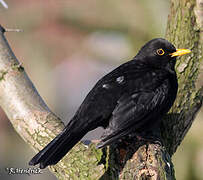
(133, 112)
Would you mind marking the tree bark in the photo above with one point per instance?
(37, 125)
(185, 29)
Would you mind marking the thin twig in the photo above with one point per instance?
(13, 30)
(4, 4)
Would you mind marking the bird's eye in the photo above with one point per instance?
(160, 52)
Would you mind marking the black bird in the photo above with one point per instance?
(132, 98)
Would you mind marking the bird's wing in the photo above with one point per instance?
(133, 112)
(100, 102)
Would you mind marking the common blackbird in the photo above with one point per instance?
(132, 98)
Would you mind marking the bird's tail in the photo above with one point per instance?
(59, 146)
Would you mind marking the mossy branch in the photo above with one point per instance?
(34, 121)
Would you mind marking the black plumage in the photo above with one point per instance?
(132, 98)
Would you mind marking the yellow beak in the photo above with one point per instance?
(180, 52)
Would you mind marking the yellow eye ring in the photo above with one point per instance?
(160, 52)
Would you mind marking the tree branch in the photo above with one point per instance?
(184, 30)
(34, 121)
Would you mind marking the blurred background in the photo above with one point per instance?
(66, 47)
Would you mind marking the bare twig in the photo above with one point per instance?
(4, 4)
(13, 30)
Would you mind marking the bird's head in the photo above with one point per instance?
(160, 53)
